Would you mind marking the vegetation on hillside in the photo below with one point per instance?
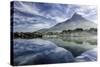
(74, 32)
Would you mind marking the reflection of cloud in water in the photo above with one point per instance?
(90, 55)
(37, 51)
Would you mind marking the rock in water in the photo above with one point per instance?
(90, 55)
(37, 51)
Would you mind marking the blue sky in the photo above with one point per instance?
(31, 16)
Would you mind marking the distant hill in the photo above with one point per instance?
(77, 21)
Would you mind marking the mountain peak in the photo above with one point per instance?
(76, 17)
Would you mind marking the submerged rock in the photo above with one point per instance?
(37, 51)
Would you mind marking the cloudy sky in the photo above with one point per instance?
(32, 16)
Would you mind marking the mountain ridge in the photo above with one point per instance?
(76, 21)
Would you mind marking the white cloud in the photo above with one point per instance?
(48, 18)
(88, 12)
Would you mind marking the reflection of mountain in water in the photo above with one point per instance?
(39, 51)
(74, 46)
